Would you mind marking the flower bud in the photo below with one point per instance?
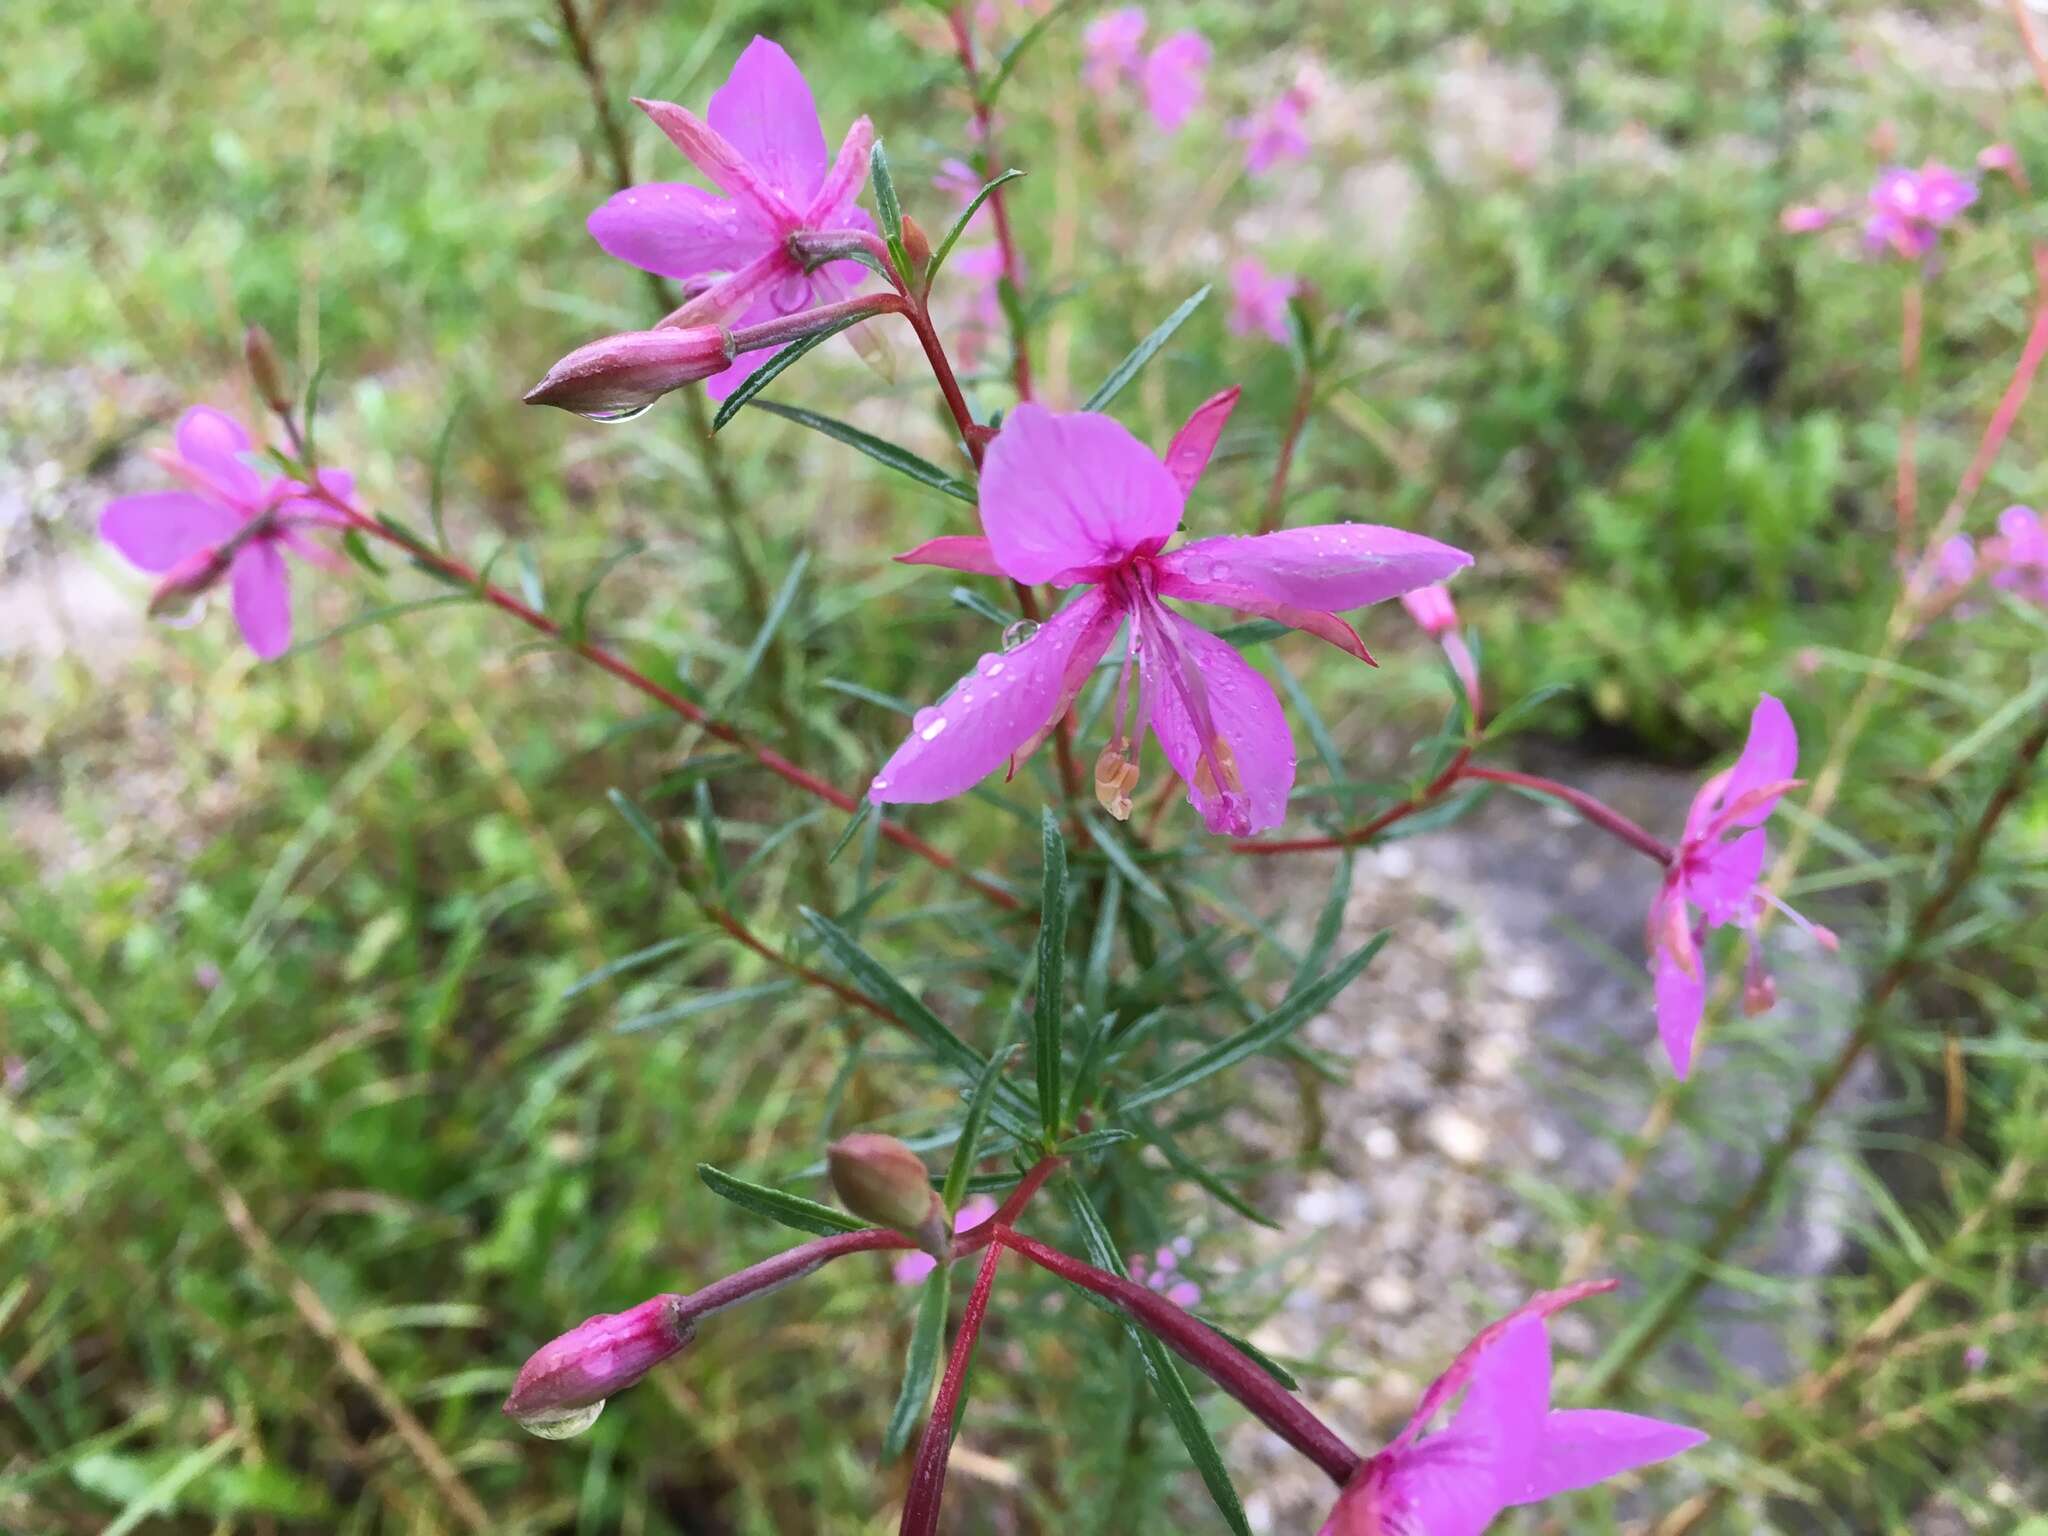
(264, 368)
(1431, 608)
(881, 1180)
(561, 1390)
(917, 245)
(186, 582)
(618, 377)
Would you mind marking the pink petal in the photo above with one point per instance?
(996, 708)
(956, 552)
(677, 230)
(1722, 881)
(740, 295)
(299, 507)
(1188, 454)
(158, 529)
(212, 443)
(1064, 490)
(1681, 999)
(1245, 599)
(843, 182)
(765, 111)
(1247, 717)
(1461, 1370)
(1584, 1446)
(262, 598)
(1173, 78)
(1770, 756)
(720, 385)
(1442, 1487)
(1505, 1408)
(1331, 568)
(728, 167)
(911, 1268)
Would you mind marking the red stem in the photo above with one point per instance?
(928, 1475)
(1206, 1350)
(1600, 814)
(1372, 829)
(984, 122)
(1276, 493)
(791, 1264)
(624, 671)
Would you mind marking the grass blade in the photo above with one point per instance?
(945, 246)
(902, 460)
(920, 1365)
(771, 370)
(1142, 354)
(965, 1153)
(777, 1204)
(1052, 955)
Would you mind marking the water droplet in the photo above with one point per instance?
(879, 784)
(990, 665)
(1018, 634)
(924, 717)
(561, 1423)
(1200, 568)
(185, 617)
(930, 731)
(1222, 571)
(623, 413)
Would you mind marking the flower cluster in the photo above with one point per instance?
(1171, 75)
(1906, 210)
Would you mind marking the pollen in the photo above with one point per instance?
(1115, 777)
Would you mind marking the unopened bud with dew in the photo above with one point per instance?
(617, 377)
(562, 1388)
(881, 1180)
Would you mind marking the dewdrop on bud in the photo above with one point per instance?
(881, 1180)
(562, 1389)
(265, 370)
(618, 377)
(1115, 777)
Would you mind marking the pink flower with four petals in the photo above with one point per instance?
(1506, 1446)
(1718, 870)
(1259, 299)
(761, 145)
(1275, 132)
(1909, 209)
(1072, 498)
(233, 522)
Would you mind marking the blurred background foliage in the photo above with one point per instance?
(320, 1104)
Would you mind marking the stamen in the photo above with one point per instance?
(1115, 777)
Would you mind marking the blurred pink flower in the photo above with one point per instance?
(911, 1268)
(234, 522)
(2017, 555)
(1506, 1446)
(1718, 869)
(1072, 498)
(2001, 159)
(761, 144)
(1805, 218)
(978, 275)
(1431, 609)
(1274, 133)
(1162, 1274)
(1909, 209)
(1174, 76)
(1258, 300)
(1111, 44)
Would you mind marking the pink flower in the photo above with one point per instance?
(1909, 209)
(2018, 554)
(1505, 1447)
(2001, 159)
(1072, 498)
(760, 143)
(1173, 79)
(1805, 218)
(1431, 609)
(911, 1268)
(1274, 133)
(1161, 1273)
(1258, 300)
(233, 522)
(1111, 43)
(980, 271)
(1717, 870)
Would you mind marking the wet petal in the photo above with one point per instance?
(155, 531)
(765, 111)
(1245, 599)
(1509, 1397)
(1334, 567)
(1769, 757)
(262, 599)
(1584, 1446)
(724, 162)
(1258, 762)
(211, 443)
(1722, 881)
(1188, 454)
(1062, 490)
(677, 230)
(1462, 1369)
(1681, 999)
(995, 709)
(842, 184)
(956, 552)
(1442, 1487)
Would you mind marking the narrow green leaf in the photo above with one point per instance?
(1166, 1378)
(379, 615)
(578, 628)
(920, 1365)
(642, 825)
(1519, 713)
(1256, 1355)
(853, 822)
(1094, 1141)
(309, 413)
(777, 1204)
(974, 602)
(1193, 1171)
(1102, 947)
(529, 579)
(966, 1151)
(952, 238)
(1299, 1007)
(869, 695)
(357, 549)
(638, 959)
(771, 370)
(1328, 922)
(703, 1003)
(405, 531)
(1318, 733)
(1253, 632)
(889, 212)
(773, 841)
(1052, 957)
(438, 474)
(902, 460)
(872, 978)
(1013, 55)
(1112, 845)
(1143, 353)
(742, 671)
(707, 832)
